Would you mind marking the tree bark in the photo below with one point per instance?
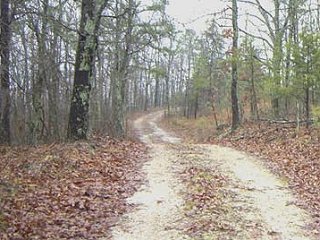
(122, 62)
(168, 75)
(234, 90)
(277, 56)
(38, 119)
(254, 101)
(307, 104)
(5, 103)
(157, 81)
(86, 52)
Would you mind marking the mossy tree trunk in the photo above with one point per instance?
(91, 12)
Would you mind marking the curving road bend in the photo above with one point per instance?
(264, 198)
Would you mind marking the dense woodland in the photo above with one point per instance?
(71, 68)
(85, 69)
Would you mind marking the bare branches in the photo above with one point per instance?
(256, 37)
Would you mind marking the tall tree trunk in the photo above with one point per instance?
(307, 104)
(86, 52)
(53, 82)
(277, 57)
(157, 92)
(167, 94)
(5, 38)
(168, 76)
(38, 120)
(157, 82)
(188, 87)
(118, 110)
(307, 91)
(26, 85)
(234, 90)
(196, 106)
(146, 101)
(254, 101)
(122, 62)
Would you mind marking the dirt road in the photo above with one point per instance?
(262, 205)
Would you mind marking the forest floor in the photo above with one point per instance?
(67, 191)
(165, 187)
(205, 191)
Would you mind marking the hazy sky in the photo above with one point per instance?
(194, 13)
(187, 11)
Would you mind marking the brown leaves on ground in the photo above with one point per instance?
(191, 130)
(295, 155)
(70, 191)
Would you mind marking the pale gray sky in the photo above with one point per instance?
(186, 11)
(194, 13)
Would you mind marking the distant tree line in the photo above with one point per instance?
(71, 68)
